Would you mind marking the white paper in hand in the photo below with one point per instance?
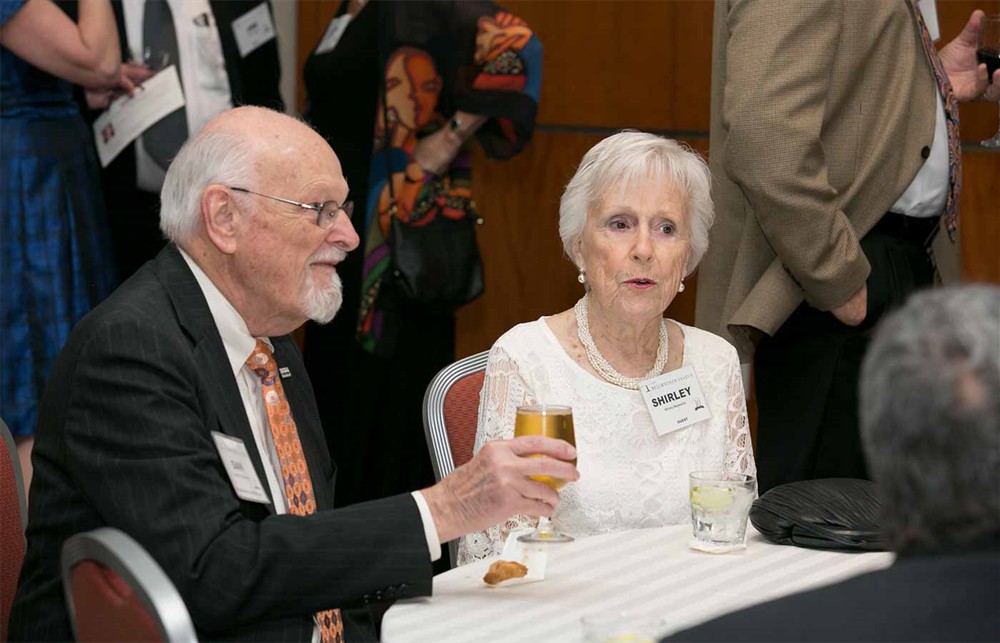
(128, 117)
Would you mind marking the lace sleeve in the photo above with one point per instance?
(504, 389)
(739, 449)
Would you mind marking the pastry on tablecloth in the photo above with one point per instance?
(502, 570)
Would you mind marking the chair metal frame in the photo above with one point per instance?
(120, 553)
(11, 446)
(435, 427)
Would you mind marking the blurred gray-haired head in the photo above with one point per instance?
(930, 419)
(627, 158)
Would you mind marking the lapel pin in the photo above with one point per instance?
(284, 372)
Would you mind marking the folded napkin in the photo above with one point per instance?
(833, 513)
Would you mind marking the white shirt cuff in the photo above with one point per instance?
(430, 530)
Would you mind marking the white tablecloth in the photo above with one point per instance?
(641, 571)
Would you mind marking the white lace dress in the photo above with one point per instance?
(629, 476)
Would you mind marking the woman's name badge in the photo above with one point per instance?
(674, 400)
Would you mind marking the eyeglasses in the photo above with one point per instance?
(326, 212)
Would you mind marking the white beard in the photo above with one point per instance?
(322, 304)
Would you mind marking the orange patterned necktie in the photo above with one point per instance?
(950, 213)
(294, 471)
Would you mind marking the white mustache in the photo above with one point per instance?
(333, 255)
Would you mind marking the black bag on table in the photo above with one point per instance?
(832, 513)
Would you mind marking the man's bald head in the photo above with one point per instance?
(266, 131)
(243, 146)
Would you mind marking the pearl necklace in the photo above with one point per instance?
(602, 366)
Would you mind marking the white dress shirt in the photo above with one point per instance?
(927, 194)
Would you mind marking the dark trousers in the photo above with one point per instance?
(806, 376)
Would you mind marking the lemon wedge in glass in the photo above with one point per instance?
(711, 499)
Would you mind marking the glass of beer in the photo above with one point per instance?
(550, 421)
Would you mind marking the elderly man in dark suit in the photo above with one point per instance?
(930, 420)
(180, 412)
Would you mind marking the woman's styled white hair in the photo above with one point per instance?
(216, 157)
(627, 158)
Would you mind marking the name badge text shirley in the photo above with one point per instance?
(674, 400)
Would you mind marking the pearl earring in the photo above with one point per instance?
(581, 278)
(681, 287)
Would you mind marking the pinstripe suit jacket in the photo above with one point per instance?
(821, 110)
(124, 441)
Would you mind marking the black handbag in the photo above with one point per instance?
(437, 265)
(833, 513)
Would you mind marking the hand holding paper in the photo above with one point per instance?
(129, 116)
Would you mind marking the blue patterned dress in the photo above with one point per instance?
(55, 257)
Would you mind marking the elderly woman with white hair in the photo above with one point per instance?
(634, 219)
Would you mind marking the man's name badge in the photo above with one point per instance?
(237, 463)
(253, 29)
(675, 400)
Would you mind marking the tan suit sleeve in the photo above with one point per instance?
(777, 81)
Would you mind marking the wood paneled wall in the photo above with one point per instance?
(980, 204)
(612, 64)
(980, 211)
(979, 120)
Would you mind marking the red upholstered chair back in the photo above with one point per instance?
(106, 608)
(461, 416)
(451, 413)
(116, 592)
(13, 516)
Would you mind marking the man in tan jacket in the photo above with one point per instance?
(834, 154)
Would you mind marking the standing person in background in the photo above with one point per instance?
(226, 53)
(55, 260)
(818, 236)
(447, 71)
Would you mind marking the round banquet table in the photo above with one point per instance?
(642, 571)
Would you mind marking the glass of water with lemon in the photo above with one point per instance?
(720, 505)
